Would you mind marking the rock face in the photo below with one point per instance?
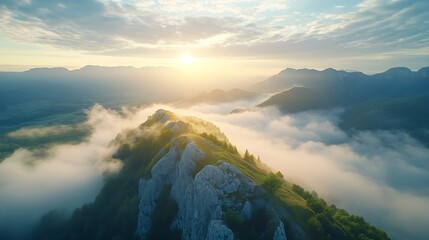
(202, 191)
(200, 199)
(218, 231)
(246, 212)
(280, 234)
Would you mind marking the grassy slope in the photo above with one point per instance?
(295, 204)
(298, 99)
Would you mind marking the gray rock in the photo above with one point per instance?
(161, 115)
(199, 199)
(218, 231)
(150, 189)
(280, 234)
(246, 211)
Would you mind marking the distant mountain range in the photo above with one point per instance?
(53, 96)
(350, 87)
(42, 92)
(393, 100)
(102, 82)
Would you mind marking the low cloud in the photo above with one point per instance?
(64, 176)
(380, 175)
(41, 131)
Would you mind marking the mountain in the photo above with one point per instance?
(183, 179)
(42, 97)
(407, 113)
(104, 83)
(347, 88)
(393, 100)
(219, 96)
(298, 99)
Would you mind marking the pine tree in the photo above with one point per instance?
(246, 156)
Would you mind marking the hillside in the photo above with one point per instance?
(408, 113)
(347, 88)
(182, 179)
(298, 99)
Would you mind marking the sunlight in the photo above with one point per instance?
(187, 59)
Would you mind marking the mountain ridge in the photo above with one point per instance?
(193, 184)
(338, 79)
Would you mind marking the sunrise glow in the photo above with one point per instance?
(187, 59)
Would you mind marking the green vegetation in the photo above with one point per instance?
(224, 144)
(165, 211)
(273, 182)
(257, 227)
(328, 222)
(248, 157)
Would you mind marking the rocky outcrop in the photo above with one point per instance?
(280, 234)
(201, 191)
(200, 199)
(246, 211)
(150, 189)
(218, 231)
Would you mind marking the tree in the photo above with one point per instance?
(246, 156)
(272, 183)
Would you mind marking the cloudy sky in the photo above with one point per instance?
(254, 37)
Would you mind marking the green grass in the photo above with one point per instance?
(294, 203)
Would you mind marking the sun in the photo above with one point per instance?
(187, 59)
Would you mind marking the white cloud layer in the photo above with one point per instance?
(64, 176)
(382, 176)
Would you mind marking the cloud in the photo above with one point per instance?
(41, 131)
(380, 175)
(64, 176)
(102, 26)
(251, 29)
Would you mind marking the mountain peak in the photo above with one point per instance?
(288, 70)
(48, 70)
(398, 70)
(424, 72)
(330, 70)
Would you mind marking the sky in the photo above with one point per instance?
(239, 37)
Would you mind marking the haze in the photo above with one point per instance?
(333, 94)
(243, 38)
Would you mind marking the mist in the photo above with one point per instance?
(62, 176)
(379, 175)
